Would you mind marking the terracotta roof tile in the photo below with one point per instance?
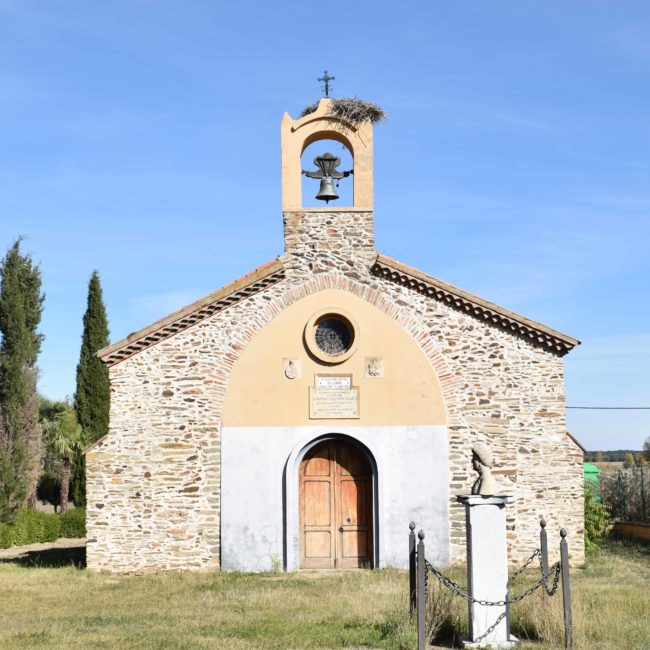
(384, 267)
(461, 300)
(253, 282)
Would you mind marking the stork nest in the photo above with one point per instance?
(351, 110)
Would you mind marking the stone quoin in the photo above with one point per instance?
(303, 415)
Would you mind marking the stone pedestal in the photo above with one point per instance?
(487, 570)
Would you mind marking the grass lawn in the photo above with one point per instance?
(71, 608)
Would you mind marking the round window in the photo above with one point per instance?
(331, 336)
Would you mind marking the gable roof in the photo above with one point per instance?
(577, 442)
(461, 300)
(203, 308)
(384, 267)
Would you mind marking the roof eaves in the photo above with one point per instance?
(461, 300)
(577, 442)
(252, 283)
(93, 445)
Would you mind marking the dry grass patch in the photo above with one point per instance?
(611, 606)
(71, 608)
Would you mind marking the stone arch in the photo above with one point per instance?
(449, 386)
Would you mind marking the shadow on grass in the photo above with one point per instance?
(50, 558)
(626, 545)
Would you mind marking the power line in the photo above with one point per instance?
(611, 408)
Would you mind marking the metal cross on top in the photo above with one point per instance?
(326, 83)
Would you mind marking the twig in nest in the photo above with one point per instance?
(351, 110)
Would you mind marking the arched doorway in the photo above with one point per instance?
(336, 507)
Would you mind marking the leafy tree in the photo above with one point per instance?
(48, 410)
(600, 457)
(92, 397)
(629, 460)
(646, 448)
(48, 489)
(640, 459)
(65, 440)
(21, 306)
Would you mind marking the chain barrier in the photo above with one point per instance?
(492, 627)
(555, 570)
(458, 590)
(544, 580)
(525, 565)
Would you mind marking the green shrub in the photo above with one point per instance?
(48, 489)
(32, 527)
(597, 520)
(73, 523)
(5, 536)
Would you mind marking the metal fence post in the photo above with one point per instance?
(566, 590)
(421, 599)
(543, 547)
(412, 578)
(642, 494)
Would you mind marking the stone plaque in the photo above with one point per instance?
(334, 381)
(333, 403)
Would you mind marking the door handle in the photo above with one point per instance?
(341, 529)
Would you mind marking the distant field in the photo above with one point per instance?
(610, 468)
(70, 608)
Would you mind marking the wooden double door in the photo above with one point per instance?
(335, 507)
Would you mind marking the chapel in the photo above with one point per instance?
(301, 416)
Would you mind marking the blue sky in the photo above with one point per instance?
(141, 138)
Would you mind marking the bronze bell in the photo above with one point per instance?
(327, 192)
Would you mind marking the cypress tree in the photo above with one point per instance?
(92, 397)
(21, 306)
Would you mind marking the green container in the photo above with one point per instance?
(592, 477)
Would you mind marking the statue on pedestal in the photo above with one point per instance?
(482, 461)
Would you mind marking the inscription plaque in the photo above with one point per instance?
(334, 381)
(341, 403)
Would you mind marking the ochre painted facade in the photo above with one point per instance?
(260, 395)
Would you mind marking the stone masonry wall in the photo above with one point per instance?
(153, 482)
(316, 242)
(504, 390)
